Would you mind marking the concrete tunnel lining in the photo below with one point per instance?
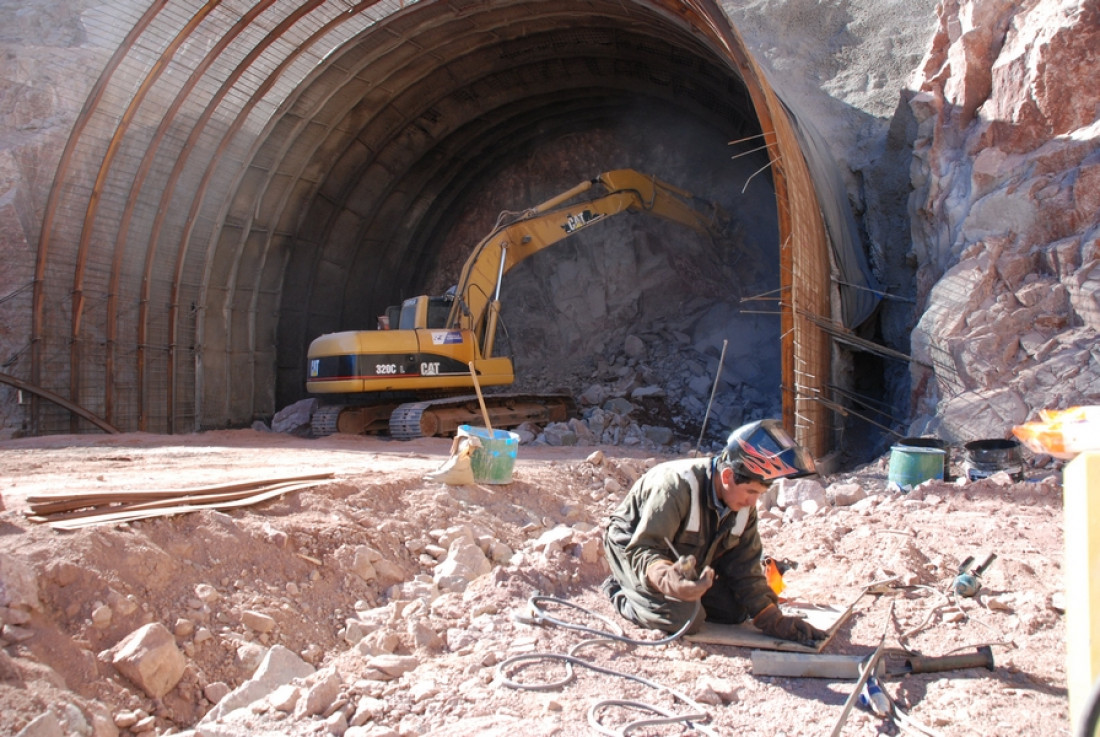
(278, 132)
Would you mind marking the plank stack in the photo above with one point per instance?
(74, 510)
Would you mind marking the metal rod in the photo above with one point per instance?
(763, 168)
(868, 671)
(713, 390)
(747, 138)
(76, 409)
(752, 151)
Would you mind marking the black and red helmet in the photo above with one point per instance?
(764, 451)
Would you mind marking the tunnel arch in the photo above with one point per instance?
(239, 170)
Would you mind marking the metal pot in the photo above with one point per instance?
(983, 458)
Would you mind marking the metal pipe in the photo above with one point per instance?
(713, 389)
(491, 319)
(982, 658)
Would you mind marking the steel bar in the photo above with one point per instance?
(76, 409)
(867, 672)
(713, 391)
(187, 500)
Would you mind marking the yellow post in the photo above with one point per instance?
(1082, 531)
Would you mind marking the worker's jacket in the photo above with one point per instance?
(676, 502)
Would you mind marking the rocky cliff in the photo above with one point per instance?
(1005, 213)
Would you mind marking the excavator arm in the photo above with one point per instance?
(521, 235)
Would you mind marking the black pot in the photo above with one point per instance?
(983, 458)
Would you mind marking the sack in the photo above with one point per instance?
(458, 470)
(1062, 433)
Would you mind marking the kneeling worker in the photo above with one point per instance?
(705, 509)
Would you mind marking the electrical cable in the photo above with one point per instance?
(538, 616)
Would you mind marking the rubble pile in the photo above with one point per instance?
(654, 394)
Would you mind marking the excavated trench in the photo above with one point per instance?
(244, 179)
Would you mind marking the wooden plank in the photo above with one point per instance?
(1081, 513)
(805, 665)
(826, 618)
(50, 503)
(168, 502)
(132, 515)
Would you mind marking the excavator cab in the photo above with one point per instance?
(425, 312)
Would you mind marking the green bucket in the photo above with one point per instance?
(910, 465)
(494, 461)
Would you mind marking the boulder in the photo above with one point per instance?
(149, 657)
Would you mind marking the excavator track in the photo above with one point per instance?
(443, 416)
(324, 420)
(351, 419)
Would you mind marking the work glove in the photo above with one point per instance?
(674, 579)
(773, 622)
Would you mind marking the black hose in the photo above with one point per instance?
(1086, 727)
(538, 616)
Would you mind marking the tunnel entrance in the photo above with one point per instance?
(241, 181)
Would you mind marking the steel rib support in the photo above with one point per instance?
(113, 147)
(140, 175)
(45, 240)
(803, 347)
(150, 252)
(200, 191)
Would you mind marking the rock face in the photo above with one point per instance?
(1005, 202)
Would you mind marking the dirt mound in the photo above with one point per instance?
(348, 577)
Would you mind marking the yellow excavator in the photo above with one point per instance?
(414, 376)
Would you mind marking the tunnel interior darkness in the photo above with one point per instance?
(245, 177)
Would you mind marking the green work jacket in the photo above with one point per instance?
(676, 502)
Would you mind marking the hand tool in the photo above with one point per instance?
(981, 658)
(968, 582)
(685, 564)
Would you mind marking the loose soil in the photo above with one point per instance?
(291, 559)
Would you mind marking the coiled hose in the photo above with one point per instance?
(538, 616)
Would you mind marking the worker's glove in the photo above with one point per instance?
(674, 581)
(773, 622)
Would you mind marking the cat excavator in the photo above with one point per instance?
(414, 376)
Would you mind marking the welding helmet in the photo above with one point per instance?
(764, 451)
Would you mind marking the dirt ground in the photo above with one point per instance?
(289, 558)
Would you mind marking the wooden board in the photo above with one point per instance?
(826, 618)
(124, 515)
(68, 501)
